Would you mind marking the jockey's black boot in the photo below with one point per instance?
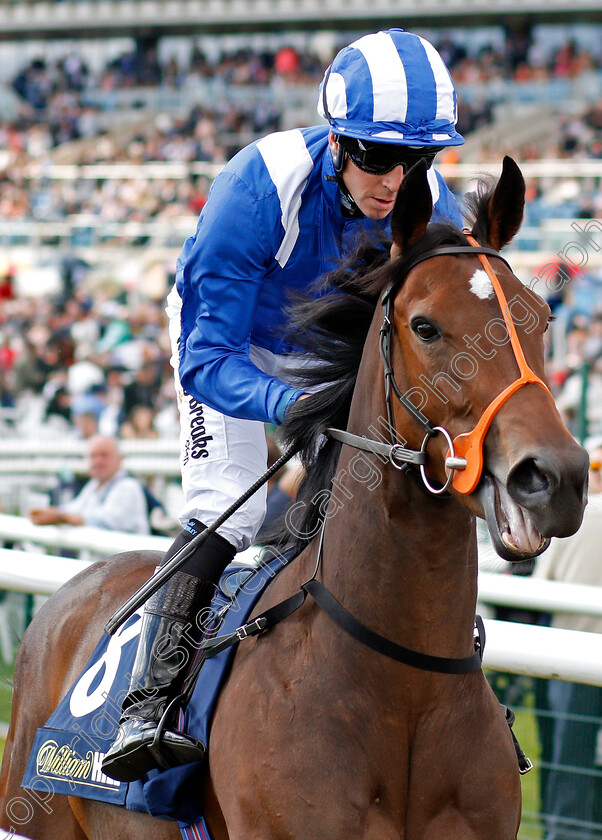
(172, 626)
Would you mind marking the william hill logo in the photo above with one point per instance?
(62, 762)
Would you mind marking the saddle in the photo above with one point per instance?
(67, 752)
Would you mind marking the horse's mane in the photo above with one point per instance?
(331, 325)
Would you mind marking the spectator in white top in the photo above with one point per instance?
(111, 499)
(571, 784)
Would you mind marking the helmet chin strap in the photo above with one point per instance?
(350, 208)
(348, 202)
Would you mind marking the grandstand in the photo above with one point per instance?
(113, 124)
(160, 17)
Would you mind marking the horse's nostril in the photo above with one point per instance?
(527, 479)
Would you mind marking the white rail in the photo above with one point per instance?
(543, 652)
(542, 595)
(544, 168)
(67, 447)
(39, 574)
(183, 16)
(29, 570)
(516, 648)
(96, 541)
(22, 456)
(494, 589)
(151, 466)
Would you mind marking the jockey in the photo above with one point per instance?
(279, 215)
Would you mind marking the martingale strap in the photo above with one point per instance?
(261, 624)
(367, 637)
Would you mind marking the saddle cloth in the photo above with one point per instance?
(68, 750)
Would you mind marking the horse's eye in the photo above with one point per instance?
(424, 329)
(549, 321)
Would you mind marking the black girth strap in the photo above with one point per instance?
(350, 625)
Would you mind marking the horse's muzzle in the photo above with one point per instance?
(551, 487)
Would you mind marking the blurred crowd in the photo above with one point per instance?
(522, 59)
(78, 364)
(60, 91)
(104, 199)
(57, 96)
(56, 109)
(74, 366)
(75, 355)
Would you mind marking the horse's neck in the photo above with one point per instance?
(400, 559)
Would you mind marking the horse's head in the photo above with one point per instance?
(468, 338)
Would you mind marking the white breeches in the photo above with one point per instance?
(221, 456)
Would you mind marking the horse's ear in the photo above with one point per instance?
(413, 208)
(506, 205)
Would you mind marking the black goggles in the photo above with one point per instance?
(379, 158)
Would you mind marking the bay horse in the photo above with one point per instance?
(316, 734)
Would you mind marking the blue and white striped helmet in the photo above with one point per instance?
(391, 87)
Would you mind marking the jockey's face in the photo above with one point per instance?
(374, 194)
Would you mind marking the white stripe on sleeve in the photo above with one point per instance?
(289, 164)
(433, 182)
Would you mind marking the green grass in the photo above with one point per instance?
(6, 690)
(517, 693)
(6, 693)
(16, 609)
(526, 732)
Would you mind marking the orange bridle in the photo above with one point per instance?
(469, 445)
(464, 460)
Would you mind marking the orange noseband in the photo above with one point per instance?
(470, 444)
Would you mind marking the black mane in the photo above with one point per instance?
(332, 327)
